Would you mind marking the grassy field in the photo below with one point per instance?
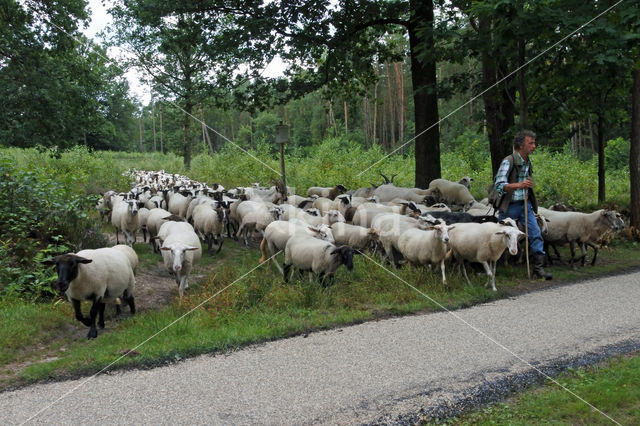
(610, 388)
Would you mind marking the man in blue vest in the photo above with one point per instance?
(512, 180)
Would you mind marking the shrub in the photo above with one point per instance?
(616, 154)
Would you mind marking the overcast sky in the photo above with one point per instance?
(101, 19)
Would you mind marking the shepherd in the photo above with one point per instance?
(514, 185)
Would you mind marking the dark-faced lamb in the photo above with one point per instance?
(101, 275)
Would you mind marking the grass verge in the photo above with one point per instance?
(611, 387)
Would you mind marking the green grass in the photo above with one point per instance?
(611, 387)
(232, 307)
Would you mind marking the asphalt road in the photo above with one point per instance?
(379, 372)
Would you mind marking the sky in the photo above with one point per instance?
(100, 19)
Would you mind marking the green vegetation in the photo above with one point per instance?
(229, 304)
(610, 387)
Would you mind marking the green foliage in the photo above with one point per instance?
(616, 154)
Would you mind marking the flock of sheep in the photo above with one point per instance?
(317, 233)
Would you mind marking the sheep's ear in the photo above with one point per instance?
(313, 229)
(451, 227)
(191, 248)
(501, 232)
(165, 248)
(83, 260)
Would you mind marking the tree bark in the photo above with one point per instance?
(634, 153)
(425, 95)
(601, 182)
(186, 135)
(522, 86)
(153, 122)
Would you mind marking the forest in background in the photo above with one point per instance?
(379, 74)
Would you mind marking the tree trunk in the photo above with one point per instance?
(375, 109)
(186, 135)
(390, 106)
(153, 122)
(346, 118)
(498, 107)
(400, 96)
(425, 94)
(601, 183)
(522, 85)
(161, 137)
(634, 153)
(140, 127)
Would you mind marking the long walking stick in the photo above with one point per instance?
(526, 232)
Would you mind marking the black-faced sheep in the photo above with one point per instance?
(320, 257)
(102, 275)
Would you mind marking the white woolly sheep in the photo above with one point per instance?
(426, 247)
(354, 236)
(320, 257)
(580, 228)
(326, 192)
(255, 216)
(484, 243)
(452, 193)
(208, 222)
(125, 218)
(181, 249)
(278, 232)
(102, 275)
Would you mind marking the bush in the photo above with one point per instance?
(616, 154)
(41, 218)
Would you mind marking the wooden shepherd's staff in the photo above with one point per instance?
(526, 232)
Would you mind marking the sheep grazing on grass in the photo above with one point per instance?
(103, 275)
(316, 256)
(125, 218)
(181, 250)
(483, 243)
(278, 232)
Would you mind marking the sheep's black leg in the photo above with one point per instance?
(93, 331)
(144, 235)
(595, 253)
(101, 315)
(285, 271)
(219, 241)
(76, 307)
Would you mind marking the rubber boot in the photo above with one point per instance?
(538, 267)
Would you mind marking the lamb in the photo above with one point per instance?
(341, 203)
(584, 229)
(255, 216)
(426, 247)
(326, 192)
(484, 243)
(354, 236)
(181, 249)
(208, 222)
(102, 275)
(179, 203)
(278, 232)
(155, 220)
(125, 218)
(452, 193)
(320, 257)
